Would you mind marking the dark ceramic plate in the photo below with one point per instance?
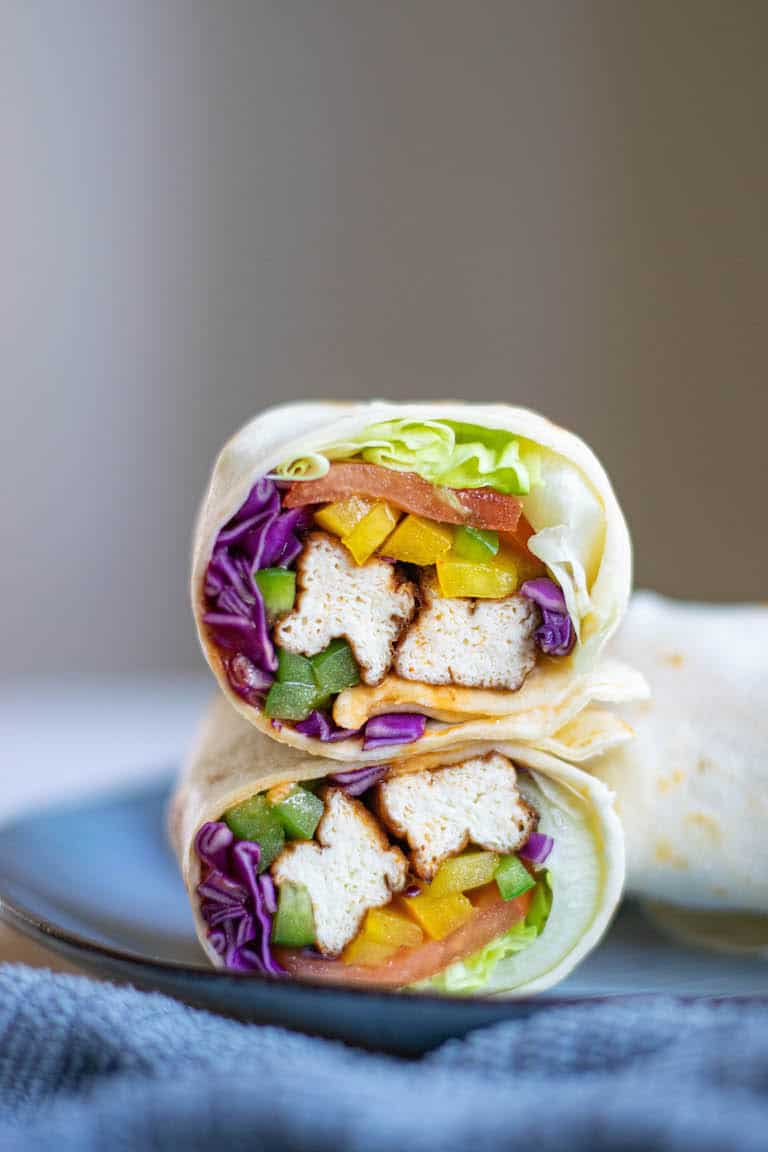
(98, 883)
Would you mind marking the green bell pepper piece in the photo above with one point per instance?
(255, 820)
(278, 589)
(294, 923)
(479, 545)
(294, 693)
(335, 669)
(513, 878)
(299, 813)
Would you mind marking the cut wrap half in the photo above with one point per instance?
(491, 869)
(368, 576)
(692, 787)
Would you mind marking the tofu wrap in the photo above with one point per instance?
(692, 787)
(372, 576)
(490, 868)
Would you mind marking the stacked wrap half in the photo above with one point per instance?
(570, 527)
(579, 885)
(406, 609)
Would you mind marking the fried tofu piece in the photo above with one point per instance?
(368, 605)
(473, 643)
(439, 812)
(350, 869)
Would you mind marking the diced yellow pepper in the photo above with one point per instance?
(369, 953)
(439, 916)
(387, 926)
(460, 873)
(340, 518)
(418, 541)
(482, 581)
(371, 531)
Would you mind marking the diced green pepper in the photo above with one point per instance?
(303, 685)
(294, 669)
(294, 694)
(278, 589)
(289, 701)
(294, 923)
(334, 669)
(541, 903)
(255, 820)
(299, 813)
(477, 544)
(513, 878)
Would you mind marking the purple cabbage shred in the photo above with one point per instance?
(537, 848)
(393, 728)
(236, 903)
(359, 780)
(258, 536)
(556, 635)
(321, 726)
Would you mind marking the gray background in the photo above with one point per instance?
(207, 207)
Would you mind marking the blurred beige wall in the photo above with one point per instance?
(208, 207)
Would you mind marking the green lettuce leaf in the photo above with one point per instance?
(447, 452)
(473, 973)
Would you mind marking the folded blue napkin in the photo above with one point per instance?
(86, 1066)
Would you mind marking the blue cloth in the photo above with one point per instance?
(86, 1066)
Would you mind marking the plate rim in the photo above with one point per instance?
(74, 945)
(52, 935)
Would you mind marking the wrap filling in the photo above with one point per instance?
(385, 875)
(403, 560)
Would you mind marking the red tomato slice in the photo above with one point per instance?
(478, 507)
(493, 917)
(522, 533)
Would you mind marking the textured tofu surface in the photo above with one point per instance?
(368, 605)
(475, 643)
(352, 868)
(439, 812)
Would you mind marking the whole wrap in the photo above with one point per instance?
(692, 787)
(231, 761)
(557, 689)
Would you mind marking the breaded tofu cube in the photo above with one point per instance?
(352, 868)
(439, 812)
(369, 605)
(475, 643)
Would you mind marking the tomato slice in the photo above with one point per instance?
(493, 917)
(522, 533)
(478, 507)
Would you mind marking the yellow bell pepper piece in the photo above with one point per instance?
(460, 873)
(482, 581)
(371, 531)
(340, 518)
(418, 541)
(388, 926)
(439, 916)
(369, 953)
(384, 932)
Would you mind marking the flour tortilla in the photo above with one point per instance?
(692, 787)
(556, 691)
(231, 761)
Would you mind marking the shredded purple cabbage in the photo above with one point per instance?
(555, 635)
(258, 536)
(359, 780)
(236, 903)
(537, 848)
(321, 726)
(393, 728)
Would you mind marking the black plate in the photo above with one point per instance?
(98, 883)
